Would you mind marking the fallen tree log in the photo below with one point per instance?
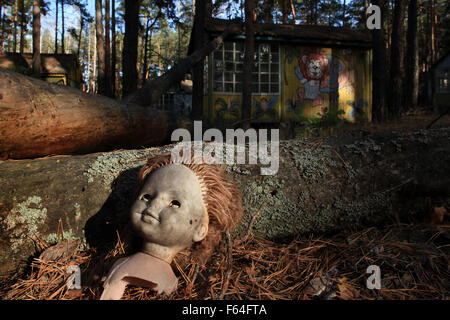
(39, 119)
(322, 186)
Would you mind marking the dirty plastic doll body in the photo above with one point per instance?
(170, 215)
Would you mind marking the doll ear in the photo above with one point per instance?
(200, 232)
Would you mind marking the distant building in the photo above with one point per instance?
(440, 86)
(299, 72)
(61, 69)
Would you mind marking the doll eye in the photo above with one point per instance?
(175, 204)
(146, 197)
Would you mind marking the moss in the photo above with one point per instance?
(25, 218)
(367, 209)
(313, 163)
(109, 166)
(68, 235)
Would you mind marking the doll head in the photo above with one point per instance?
(179, 205)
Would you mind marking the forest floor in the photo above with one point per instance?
(413, 259)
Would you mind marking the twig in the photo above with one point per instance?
(250, 225)
(229, 265)
(440, 116)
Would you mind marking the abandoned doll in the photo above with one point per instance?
(177, 205)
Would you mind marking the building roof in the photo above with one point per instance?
(440, 60)
(51, 63)
(302, 34)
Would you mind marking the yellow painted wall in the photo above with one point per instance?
(344, 84)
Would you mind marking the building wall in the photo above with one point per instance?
(341, 81)
(441, 99)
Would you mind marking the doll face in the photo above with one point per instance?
(169, 209)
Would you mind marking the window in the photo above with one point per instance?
(444, 81)
(228, 68)
(266, 70)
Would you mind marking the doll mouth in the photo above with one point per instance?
(149, 218)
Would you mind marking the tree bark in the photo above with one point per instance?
(130, 43)
(412, 58)
(56, 25)
(395, 89)
(247, 87)
(37, 38)
(15, 27)
(198, 69)
(113, 49)
(22, 26)
(345, 183)
(47, 119)
(379, 69)
(2, 26)
(108, 84)
(101, 81)
(63, 29)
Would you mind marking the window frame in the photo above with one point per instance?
(235, 62)
(443, 74)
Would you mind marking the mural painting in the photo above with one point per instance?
(319, 80)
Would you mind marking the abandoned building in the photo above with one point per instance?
(440, 84)
(299, 72)
(63, 69)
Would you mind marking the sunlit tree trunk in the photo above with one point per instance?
(36, 38)
(56, 26)
(113, 49)
(108, 84)
(101, 83)
(15, 26)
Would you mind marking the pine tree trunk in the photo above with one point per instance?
(101, 81)
(108, 84)
(248, 63)
(63, 49)
(56, 25)
(379, 72)
(153, 90)
(198, 70)
(412, 58)
(2, 25)
(130, 50)
(36, 38)
(22, 26)
(395, 89)
(15, 27)
(145, 61)
(113, 50)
